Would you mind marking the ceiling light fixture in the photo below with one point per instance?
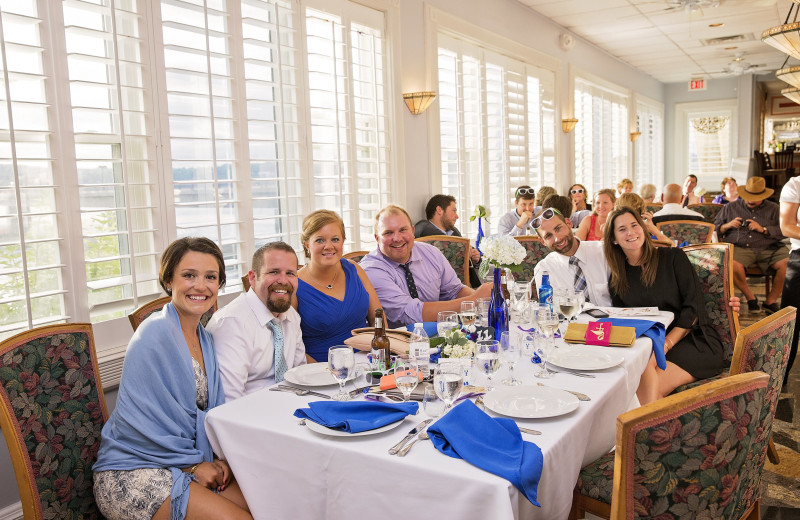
(790, 75)
(786, 37)
(690, 6)
(715, 25)
(792, 93)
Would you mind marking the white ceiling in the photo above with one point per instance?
(670, 43)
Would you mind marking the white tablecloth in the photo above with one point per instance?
(287, 471)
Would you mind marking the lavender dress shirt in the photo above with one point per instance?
(434, 277)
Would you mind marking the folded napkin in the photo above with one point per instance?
(429, 326)
(355, 416)
(652, 329)
(492, 444)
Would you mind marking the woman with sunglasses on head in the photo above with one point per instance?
(591, 227)
(643, 275)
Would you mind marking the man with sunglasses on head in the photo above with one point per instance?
(517, 221)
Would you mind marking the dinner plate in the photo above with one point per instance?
(530, 402)
(324, 430)
(313, 374)
(583, 358)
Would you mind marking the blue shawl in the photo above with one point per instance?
(156, 422)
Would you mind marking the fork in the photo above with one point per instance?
(479, 404)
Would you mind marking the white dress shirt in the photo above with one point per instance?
(672, 208)
(593, 264)
(243, 342)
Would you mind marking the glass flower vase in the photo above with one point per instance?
(498, 306)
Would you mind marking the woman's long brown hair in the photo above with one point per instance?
(616, 257)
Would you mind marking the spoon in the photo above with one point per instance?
(422, 437)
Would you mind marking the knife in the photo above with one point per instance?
(394, 449)
(358, 391)
(579, 395)
(309, 392)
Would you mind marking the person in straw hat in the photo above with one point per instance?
(751, 224)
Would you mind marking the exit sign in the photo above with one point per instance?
(697, 84)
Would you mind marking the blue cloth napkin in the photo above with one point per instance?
(654, 330)
(355, 416)
(429, 326)
(683, 244)
(493, 444)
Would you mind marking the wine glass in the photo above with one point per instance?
(432, 403)
(487, 359)
(510, 353)
(468, 314)
(542, 348)
(570, 303)
(445, 321)
(547, 321)
(341, 363)
(447, 381)
(406, 376)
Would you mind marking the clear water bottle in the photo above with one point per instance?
(419, 349)
(546, 292)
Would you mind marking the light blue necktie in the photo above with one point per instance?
(277, 344)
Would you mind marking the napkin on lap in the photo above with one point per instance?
(493, 444)
(652, 329)
(355, 416)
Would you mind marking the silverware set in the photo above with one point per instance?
(561, 370)
(395, 450)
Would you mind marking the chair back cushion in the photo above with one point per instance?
(356, 256)
(689, 453)
(455, 249)
(652, 207)
(712, 263)
(52, 410)
(535, 251)
(708, 209)
(142, 313)
(687, 231)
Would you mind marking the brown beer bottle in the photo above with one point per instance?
(381, 341)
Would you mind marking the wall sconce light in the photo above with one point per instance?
(568, 124)
(635, 136)
(418, 102)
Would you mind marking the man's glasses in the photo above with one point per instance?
(524, 191)
(576, 191)
(546, 215)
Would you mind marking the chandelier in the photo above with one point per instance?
(710, 125)
(790, 75)
(786, 37)
(792, 93)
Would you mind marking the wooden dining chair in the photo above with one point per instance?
(245, 283)
(139, 315)
(52, 410)
(700, 451)
(709, 210)
(535, 251)
(690, 231)
(652, 207)
(355, 256)
(455, 250)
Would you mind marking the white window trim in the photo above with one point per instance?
(681, 136)
(656, 106)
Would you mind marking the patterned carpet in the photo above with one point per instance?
(781, 493)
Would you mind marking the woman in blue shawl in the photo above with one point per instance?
(155, 460)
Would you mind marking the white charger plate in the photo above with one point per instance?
(324, 430)
(530, 402)
(583, 358)
(313, 374)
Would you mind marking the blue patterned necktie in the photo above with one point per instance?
(579, 282)
(277, 345)
(412, 287)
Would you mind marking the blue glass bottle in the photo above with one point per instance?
(498, 307)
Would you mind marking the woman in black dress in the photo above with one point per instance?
(643, 275)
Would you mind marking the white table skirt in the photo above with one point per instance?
(287, 471)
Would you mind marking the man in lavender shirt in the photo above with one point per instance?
(437, 285)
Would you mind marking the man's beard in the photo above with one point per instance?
(279, 307)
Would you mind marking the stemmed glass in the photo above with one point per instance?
(521, 295)
(468, 314)
(447, 381)
(341, 363)
(547, 322)
(570, 303)
(446, 320)
(406, 376)
(542, 349)
(510, 352)
(487, 359)
(483, 311)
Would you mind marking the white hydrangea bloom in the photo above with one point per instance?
(503, 250)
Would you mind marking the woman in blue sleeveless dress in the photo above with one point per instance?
(334, 295)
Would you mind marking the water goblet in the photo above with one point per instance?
(341, 363)
(521, 294)
(447, 382)
(468, 313)
(570, 303)
(510, 353)
(483, 310)
(406, 376)
(445, 321)
(487, 359)
(432, 404)
(542, 347)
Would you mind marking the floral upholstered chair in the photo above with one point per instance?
(52, 410)
(139, 315)
(689, 231)
(536, 251)
(652, 207)
(690, 455)
(455, 249)
(356, 256)
(708, 209)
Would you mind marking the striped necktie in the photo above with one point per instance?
(579, 281)
(412, 287)
(277, 345)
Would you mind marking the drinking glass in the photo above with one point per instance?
(447, 382)
(521, 295)
(406, 376)
(432, 403)
(446, 320)
(341, 363)
(468, 314)
(528, 346)
(569, 303)
(546, 321)
(487, 359)
(483, 311)
(542, 347)
(510, 353)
